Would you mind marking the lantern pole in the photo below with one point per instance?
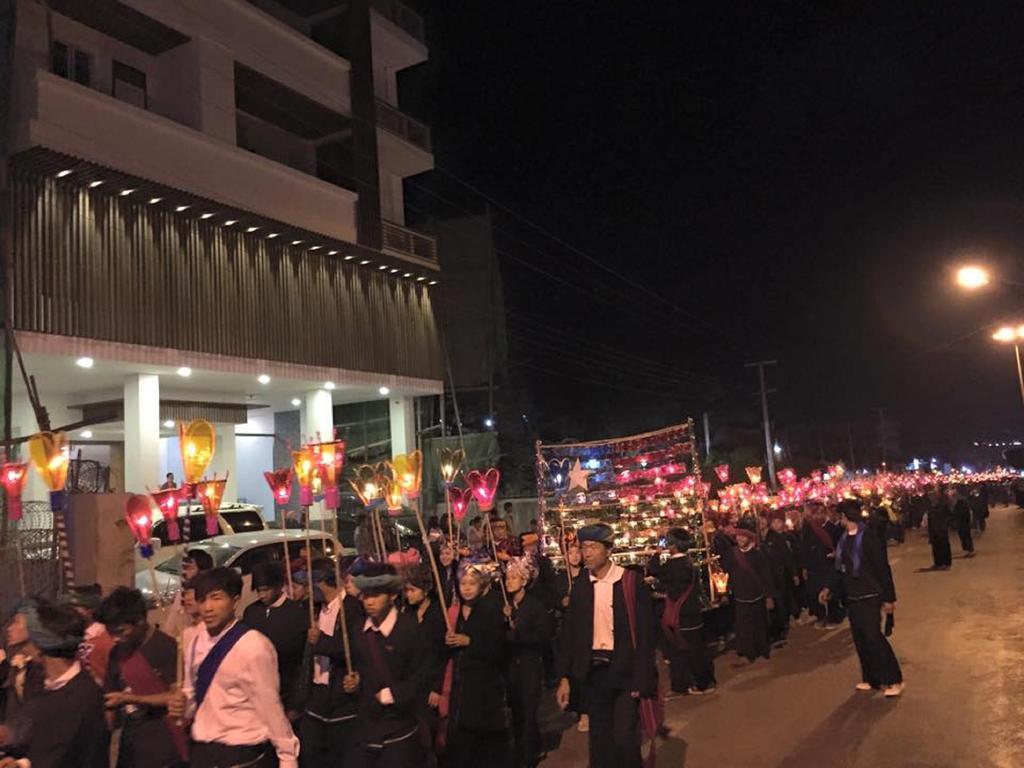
(337, 582)
(433, 563)
(494, 551)
(309, 566)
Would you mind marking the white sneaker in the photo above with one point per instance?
(893, 690)
(863, 686)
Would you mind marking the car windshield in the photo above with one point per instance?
(243, 520)
(220, 553)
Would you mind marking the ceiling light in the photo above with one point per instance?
(184, 371)
(364, 262)
(407, 274)
(296, 242)
(263, 379)
(84, 362)
(169, 424)
(296, 402)
(86, 433)
(230, 222)
(126, 192)
(432, 282)
(394, 270)
(251, 229)
(205, 215)
(272, 235)
(384, 391)
(62, 174)
(383, 267)
(328, 385)
(349, 258)
(155, 200)
(181, 208)
(94, 184)
(420, 279)
(316, 248)
(332, 253)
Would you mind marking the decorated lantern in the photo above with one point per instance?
(210, 493)
(330, 458)
(787, 476)
(197, 441)
(451, 463)
(558, 472)
(366, 484)
(306, 474)
(167, 502)
(719, 580)
(391, 492)
(14, 475)
(722, 470)
(280, 482)
(460, 498)
(484, 487)
(407, 469)
(51, 457)
(754, 475)
(139, 515)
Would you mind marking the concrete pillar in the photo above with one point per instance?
(403, 424)
(317, 417)
(224, 462)
(141, 432)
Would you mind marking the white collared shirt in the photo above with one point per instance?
(327, 621)
(385, 629)
(64, 679)
(242, 706)
(604, 616)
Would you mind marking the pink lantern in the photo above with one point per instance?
(754, 475)
(14, 475)
(140, 520)
(787, 476)
(460, 498)
(722, 470)
(280, 482)
(484, 487)
(167, 502)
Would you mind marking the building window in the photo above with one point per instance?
(70, 63)
(129, 84)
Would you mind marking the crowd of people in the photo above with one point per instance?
(366, 663)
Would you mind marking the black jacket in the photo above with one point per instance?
(630, 670)
(68, 729)
(285, 627)
(938, 519)
(478, 684)
(674, 576)
(776, 547)
(750, 575)
(529, 632)
(334, 703)
(433, 630)
(874, 576)
(814, 554)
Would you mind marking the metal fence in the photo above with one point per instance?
(29, 561)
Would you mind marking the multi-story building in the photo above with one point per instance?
(206, 220)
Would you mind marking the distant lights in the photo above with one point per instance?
(180, 208)
(94, 184)
(384, 391)
(184, 371)
(328, 385)
(489, 422)
(62, 174)
(205, 215)
(84, 362)
(263, 379)
(155, 200)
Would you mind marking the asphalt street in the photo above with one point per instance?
(959, 637)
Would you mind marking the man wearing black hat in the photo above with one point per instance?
(284, 622)
(753, 591)
(608, 646)
(328, 730)
(862, 567)
(691, 667)
(392, 675)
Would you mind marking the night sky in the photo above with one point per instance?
(787, 181)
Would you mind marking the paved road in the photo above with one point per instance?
(959, 638)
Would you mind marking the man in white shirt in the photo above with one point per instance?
(230, 689)
(605, 651)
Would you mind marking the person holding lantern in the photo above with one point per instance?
(862, 567)
(423, 605)
(607, 644)
(98, 643)
(753, 591)
(193, 562)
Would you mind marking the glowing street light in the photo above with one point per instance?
(1010, 335)
(1006, 334)
(971, 277)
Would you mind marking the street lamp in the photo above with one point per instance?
(971, 277)
(1010, 335)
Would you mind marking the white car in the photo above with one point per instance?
(236, 550)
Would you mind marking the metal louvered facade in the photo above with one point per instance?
(88, 263)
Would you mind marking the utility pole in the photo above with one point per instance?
(883, 435)
(849, 437)
(769, 447)
(707, 435)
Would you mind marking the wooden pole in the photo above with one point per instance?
(452, 541)
(156, 584)
(564, 547)
(337, 582)
(433, 565)
(309, 569)
(494, 551)
(284, 545)
(21, 564)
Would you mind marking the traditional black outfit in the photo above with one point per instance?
(529, 636)
(962, 520)
(816, 550)
(284, 623)
(938, 534)
(67, 725)
(690, 664)
(783, 567)
(751, 584)
(979, 506)
(862, 566)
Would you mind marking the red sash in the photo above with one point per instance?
(818, 531)
(140, 677)
(670, 618)
(652, 710)
(444, 706)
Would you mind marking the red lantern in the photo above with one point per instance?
(484, 487)
(167, 502)
(280, 482)
(787, 476)
(722, 470)
(210, 493)
(14, 475)
(139, 515)
(460, 498)
(754, 475)
(330, 458)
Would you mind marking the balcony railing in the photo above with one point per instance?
(408, 242)
(402, 16)
(397, 122)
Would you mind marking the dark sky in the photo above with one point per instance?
(760, 180)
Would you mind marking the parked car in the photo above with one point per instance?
(231, 518)
(234, 550)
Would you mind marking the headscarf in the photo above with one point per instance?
(44, 638)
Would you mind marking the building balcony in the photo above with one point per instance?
(408, 243)
(395, 121)
(74, 120)
(403, 17)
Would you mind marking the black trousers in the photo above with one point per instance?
(966, 539)
(878, 663)
(941, 552)
(614, 723)
(212, 754)
(472, 749)
(407, 753)
(752, 629)
(690, 663)
(525, 681)
(325, 743)
(778, 617)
